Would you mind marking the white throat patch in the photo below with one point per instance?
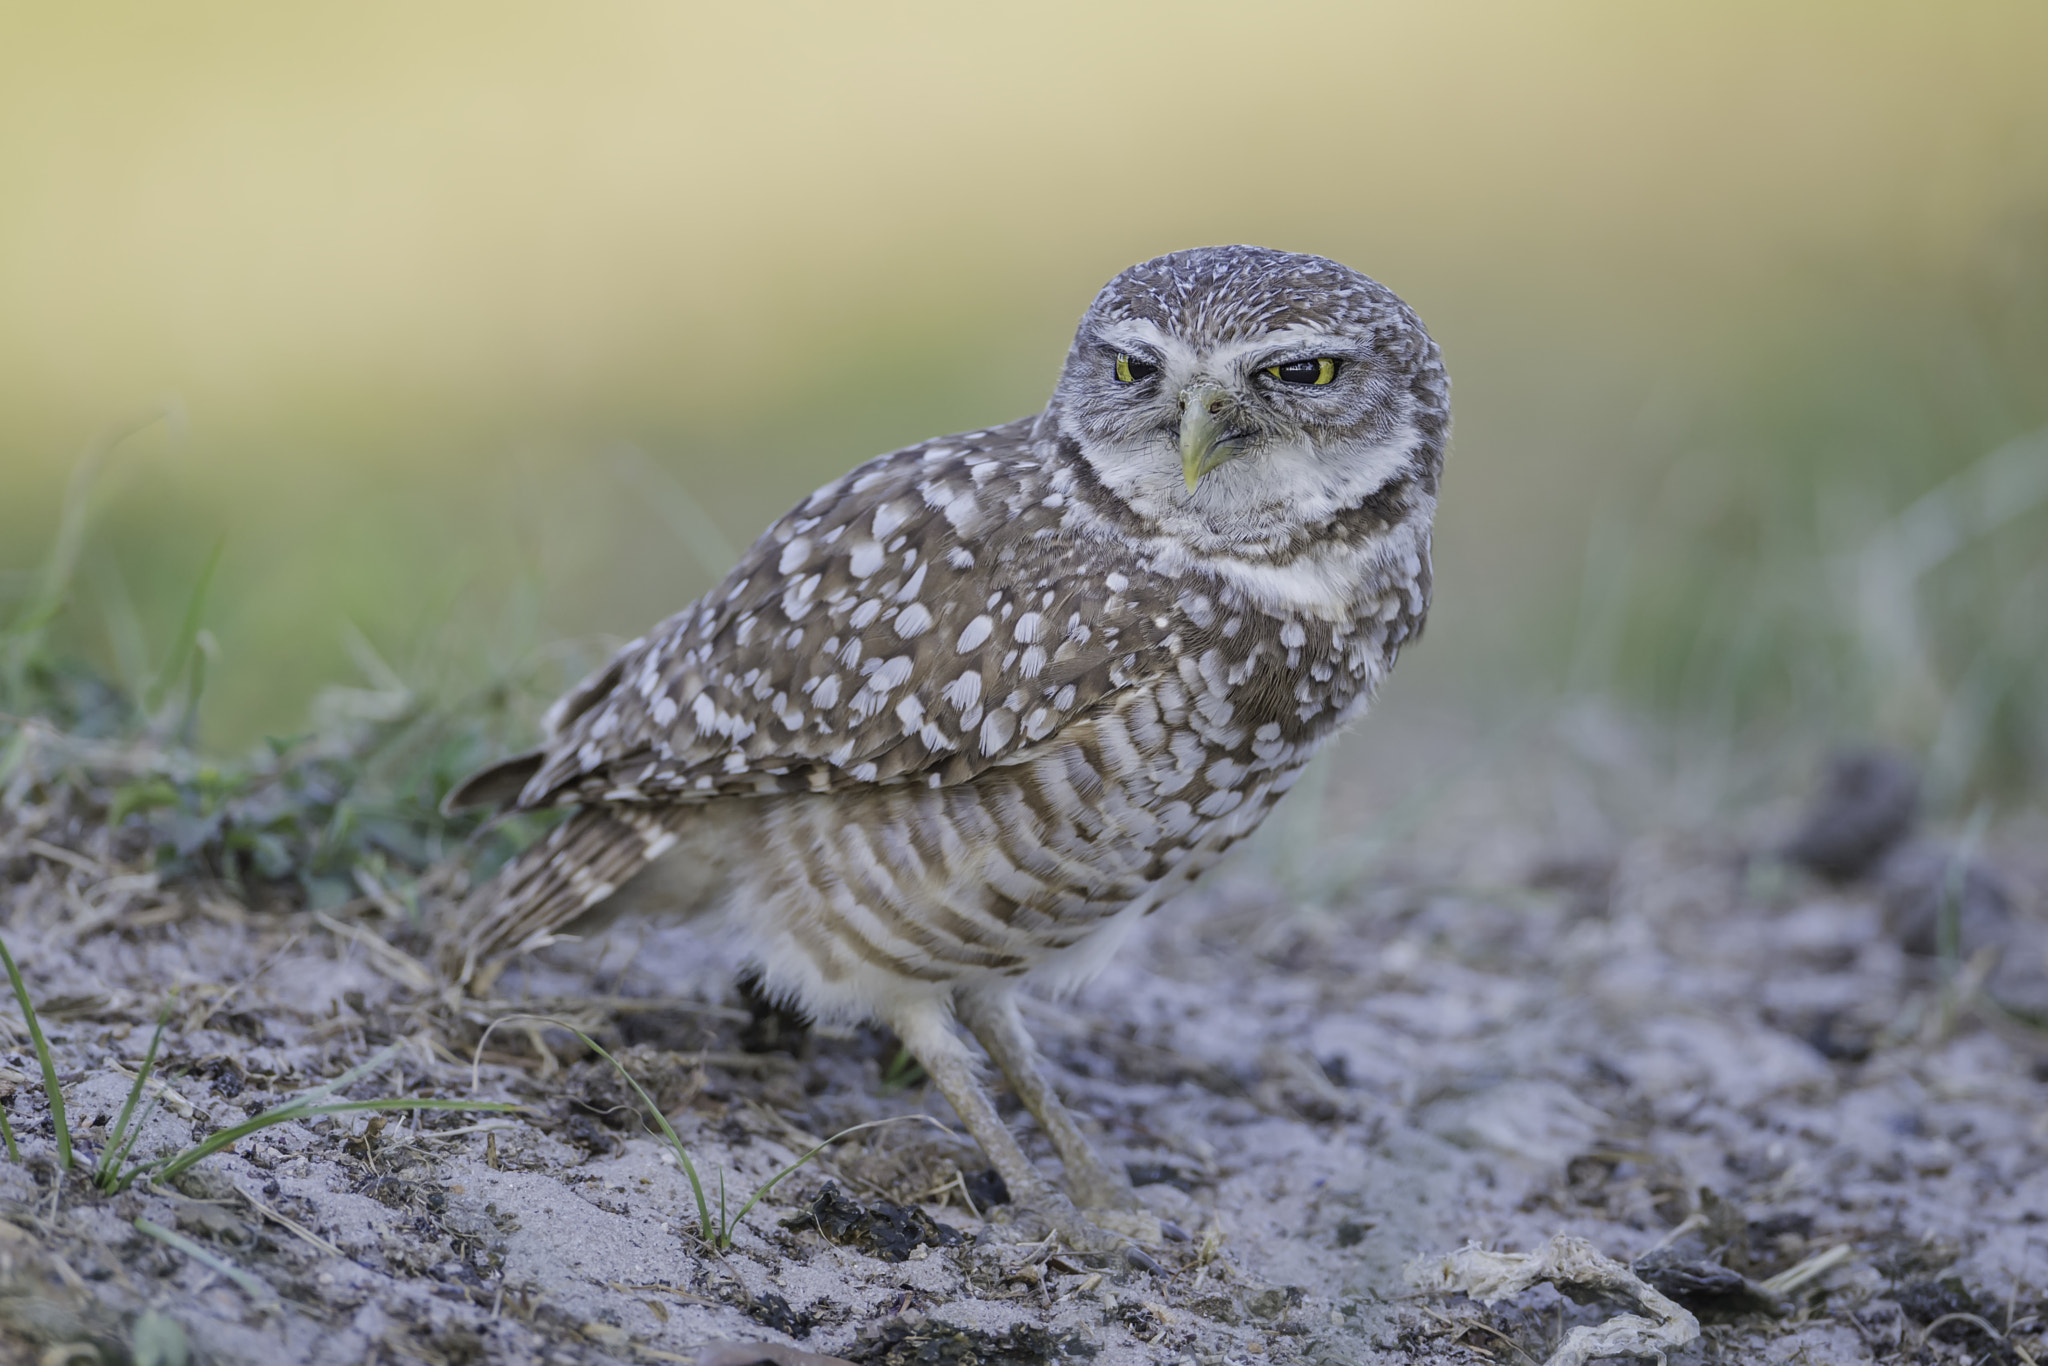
(1256, 504)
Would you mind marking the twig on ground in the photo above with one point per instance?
(1819, 1264)
(220, 1002)
(58, 854)
(1697, 1219)
(1464, 1326)
(2000, 1338)
(1490, 1277)
(254, 1288)
(393, 962)
(292, 1225)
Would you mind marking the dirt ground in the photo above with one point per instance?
(1552, 995)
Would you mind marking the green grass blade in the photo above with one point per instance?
(23, 636)
(1955, 876)
(255, 1289)
(116, 1149)
(35, 1033)
(318, 1094)
(277, 1114)
(119, 1175)
(490, 1107)
(307, 1104)
(187, 639)
(668, 1130)
(7, 1132)
(16, 750)
(170, 1167)
(776, 1179)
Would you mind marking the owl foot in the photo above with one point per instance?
(1095, 1235)
(1038, 1210)
(1132, 1225)
(1096, 1185)
(1111, 1202)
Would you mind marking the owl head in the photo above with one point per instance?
(1249, 396)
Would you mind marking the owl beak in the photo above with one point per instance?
(1205, 439)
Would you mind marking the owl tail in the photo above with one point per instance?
(559, 881)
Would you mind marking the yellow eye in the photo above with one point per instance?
(1321, 370)
(1130, 371)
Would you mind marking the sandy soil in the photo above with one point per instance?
(1367, 1042)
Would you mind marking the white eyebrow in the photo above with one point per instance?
(1148, 335)
(1177, 355)
(1296, 338)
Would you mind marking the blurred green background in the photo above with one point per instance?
(486, 327)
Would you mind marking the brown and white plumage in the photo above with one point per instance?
(965, 712)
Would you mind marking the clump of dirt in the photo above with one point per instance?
(986, 1188)
(920, 1342)
(892, 1233)
(1712, 1292)
(772, 1311)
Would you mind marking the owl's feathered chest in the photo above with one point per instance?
(1284, 646)
(1247, 691)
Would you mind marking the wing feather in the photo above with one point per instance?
(920, 619)
(580, 864)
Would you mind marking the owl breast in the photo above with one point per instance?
(1019, 871)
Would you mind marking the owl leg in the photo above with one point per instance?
(991, 1012)
(928, 1035)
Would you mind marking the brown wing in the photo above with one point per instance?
(920, 619)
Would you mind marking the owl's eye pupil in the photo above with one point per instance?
(1321, 370)
(1130, 371)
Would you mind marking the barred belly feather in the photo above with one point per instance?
(1012, 874)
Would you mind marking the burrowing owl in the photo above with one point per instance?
(965, 714)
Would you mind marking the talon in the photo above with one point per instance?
(1142, 1260)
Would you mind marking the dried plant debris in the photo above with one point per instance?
(772, 1311)
(1706, 1289)
(913, 1340)
(893, 1233)
(1575, 1267)
(916, 1341)
(762, 1354)
(346, 814)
